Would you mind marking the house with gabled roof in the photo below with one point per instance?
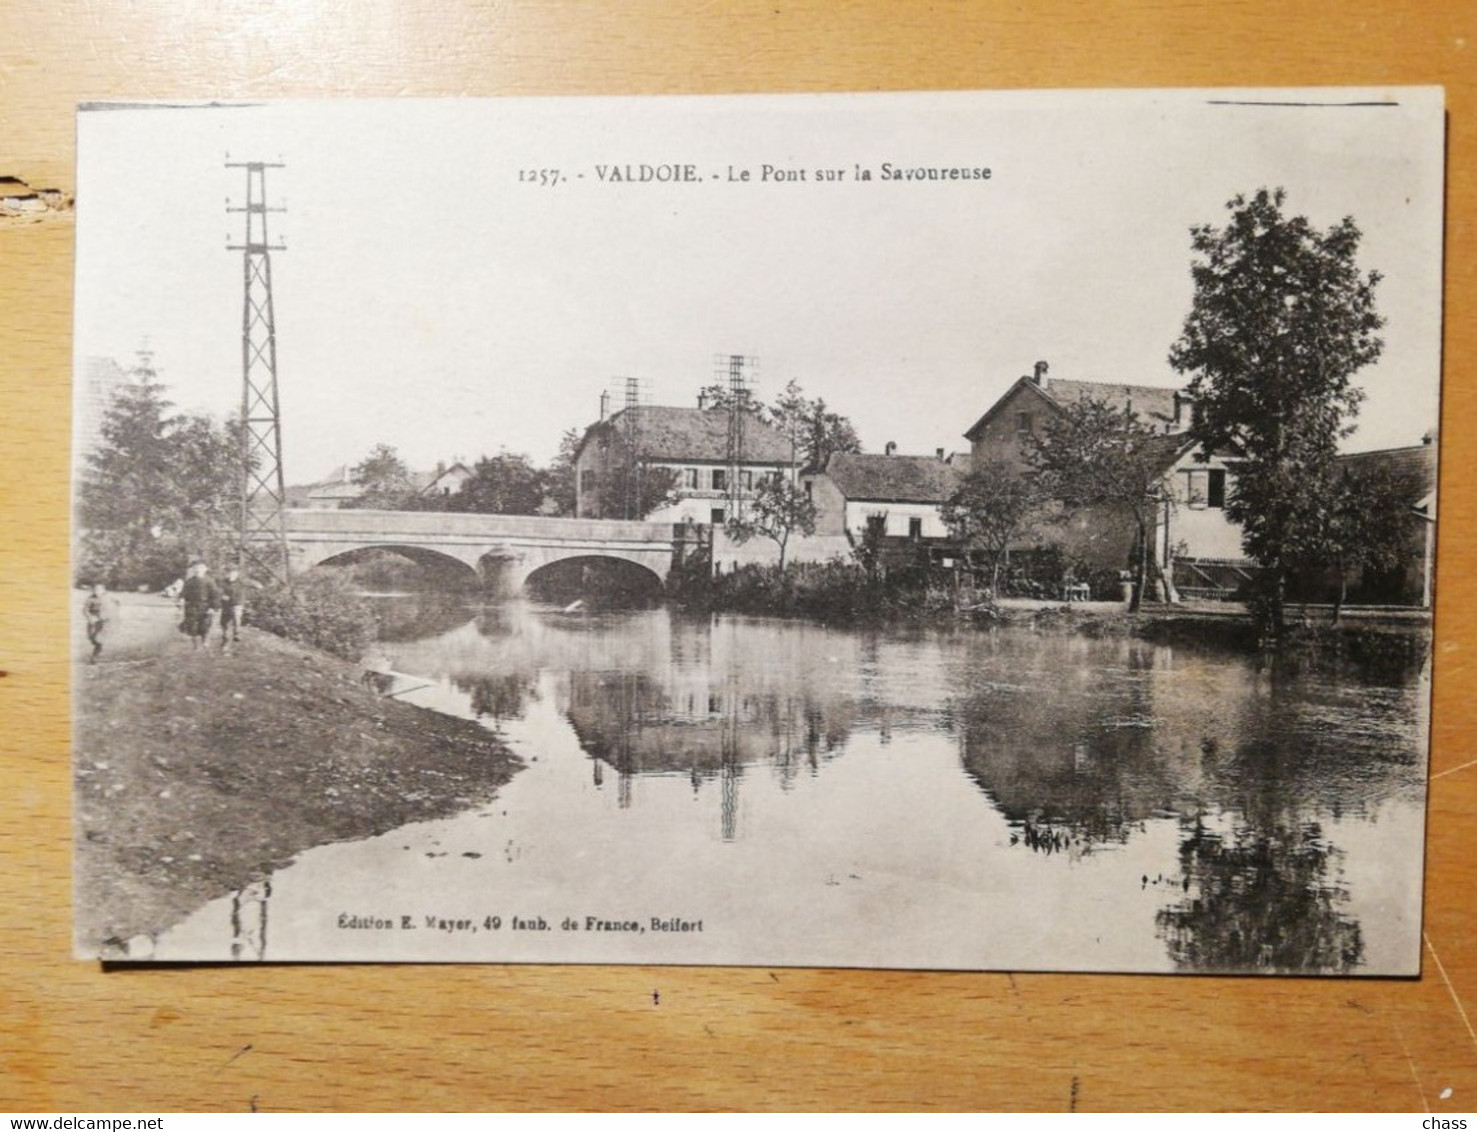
(1192, 525)
(695, 444)
(889, 496)
(338, 489)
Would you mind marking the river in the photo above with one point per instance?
(801, 795)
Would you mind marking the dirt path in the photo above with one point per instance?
(198, 772)
(138, 625)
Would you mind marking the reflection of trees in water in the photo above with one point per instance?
(1260, 898)
(1260, 894)
(1254, 759)
(414, 617)
(500, 695)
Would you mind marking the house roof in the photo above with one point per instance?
(1413, 469)
(674, 433)
(1154, 403)
(892, 479)
(1151, 402)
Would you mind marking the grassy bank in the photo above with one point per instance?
(199, 772)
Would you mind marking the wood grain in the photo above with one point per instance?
(75, 1037)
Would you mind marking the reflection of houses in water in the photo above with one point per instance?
(701, 728)
(1074, 760)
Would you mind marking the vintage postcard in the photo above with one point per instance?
(965, 531)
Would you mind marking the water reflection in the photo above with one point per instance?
(249, 920)
(498, 697)
(1260, 898)
(942, 798)
(415, 616)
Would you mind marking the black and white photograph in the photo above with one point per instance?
(971, 531)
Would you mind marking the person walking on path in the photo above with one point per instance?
(233, 606)
(200, 598)
(95, 610)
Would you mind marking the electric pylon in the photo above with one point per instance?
(262, 548)
(733, 366)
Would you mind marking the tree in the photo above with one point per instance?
(720, 396)
(1093, 455)
(385, 480)
(1367, 526)
(1281, 320)
(157, 489)
(778, 510)
(989, 511)
(628, 486)
(814, 431)
(559, 480)
(505, 484)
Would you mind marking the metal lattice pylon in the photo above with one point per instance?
(262, 546)
(738, 412)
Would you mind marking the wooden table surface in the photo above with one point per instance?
(74, 1037)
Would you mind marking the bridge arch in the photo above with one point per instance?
(449, 566)
(571, 576)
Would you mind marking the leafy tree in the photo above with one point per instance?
(559, 480)
(1281, 320)
(157, 489)
(1093, 455)
(720, 396)
(385, 479)
(778, 510)
(1367, 526)
(505, 484)
(815, 432)
(992, 507)
(628, 486)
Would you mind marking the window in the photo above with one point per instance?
(809, 489)
(876, 525)
(746, 480)
(587, 480)
(1215, 495)
(915, 528)
(1196, 489)
(1023, 424)
(689, 478)
(720, 479)
(716, 516)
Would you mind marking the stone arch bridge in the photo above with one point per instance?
(501, 550)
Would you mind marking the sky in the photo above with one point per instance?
(436, 297)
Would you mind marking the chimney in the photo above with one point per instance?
(1429, 437)
(1039, 373)
(891, 447)
(605, 404)
(939, 452)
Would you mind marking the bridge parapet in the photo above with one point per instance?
(426, 523)
(522, 544)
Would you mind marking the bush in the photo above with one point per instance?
(321, 610)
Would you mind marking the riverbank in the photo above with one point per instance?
(843, 594)
(200, 772)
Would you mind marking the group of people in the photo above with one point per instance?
(199, 595)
